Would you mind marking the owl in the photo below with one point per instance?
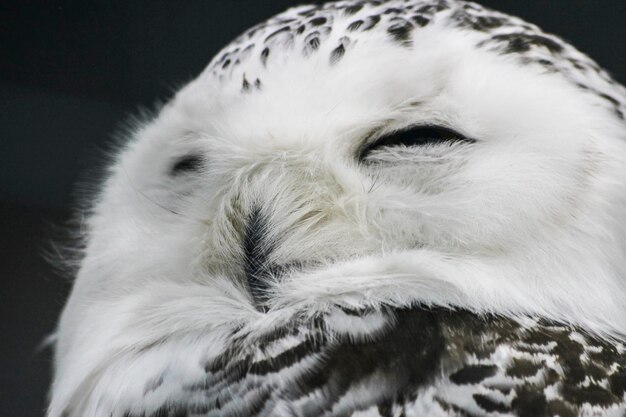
(362, 208)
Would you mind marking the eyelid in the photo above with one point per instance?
(371, 138)
(379, 137)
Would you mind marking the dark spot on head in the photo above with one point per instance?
(286, 20)
(245, 85)
(428, 9)
(312, 42)
(480, 23)
(545, 63)
(420, 20)
(441, 6)
(370, 22)
(401, 32)
(471, 6)
(277, 32)
(577, 65)
(264, 54)
(523, 42)
(300, 29)
(337, 54)
(393, 10)
(309, 12)
(352, 9)
(609, 99)
(354, 25)
(223, 57)
(226, 64)
(318, 21)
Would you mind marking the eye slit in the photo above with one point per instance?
(186, 164)
(415, 136)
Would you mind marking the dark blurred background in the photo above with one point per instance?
(72, 71)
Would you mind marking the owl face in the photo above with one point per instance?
(445, 155)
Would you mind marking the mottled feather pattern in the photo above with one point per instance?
(417, 361)
(306, 28)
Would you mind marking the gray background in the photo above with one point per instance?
(72, 71)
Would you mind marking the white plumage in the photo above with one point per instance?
(362, 181)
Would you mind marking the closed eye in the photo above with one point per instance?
(415, 136)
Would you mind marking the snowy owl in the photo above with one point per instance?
(363, 208)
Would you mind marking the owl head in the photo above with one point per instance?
(359, 153)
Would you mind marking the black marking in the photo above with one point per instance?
(521, 368)
(385, 409)
(472, 6)
(310, 12)
(427, 9)
(318, 21)
(337, 54)
(577, 64)
(557, 407)
(617, 382)
(187, 164)
(285, 359)
(610, 99)
(371, 22)
(355, 25)
(226, 64)
(473, 374)
(350, 10)
(301, 29)
(393, 10)
(420, 20)
(314, 43)
(523, 42)
(257, 84)
(264, 54)
(490, 405)
(401, 32)
(529, 403)
(245, 85)
(486, 23)
(545, 63)
(277, 32)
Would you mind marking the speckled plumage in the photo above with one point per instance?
(415, 362)
(364, 208)
(333, 28)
